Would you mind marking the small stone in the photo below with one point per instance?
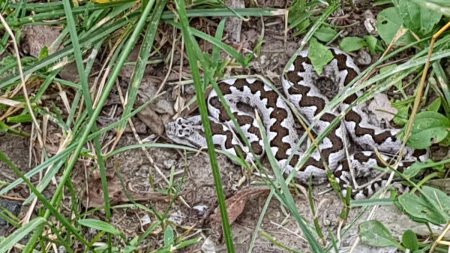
(146, 220)
(177, 217)
(200, 209)
(169, 164)
(208, 246)
(363, 58)
(370, 22)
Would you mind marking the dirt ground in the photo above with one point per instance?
(143, 174)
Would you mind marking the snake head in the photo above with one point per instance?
(187, 131)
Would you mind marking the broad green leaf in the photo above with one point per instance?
(350, 44)
(187, 243)
(43, 53)
(388, 24)
(441, 199)
(446, 141)
(169, 237)
(371, 42)
(439, 6)
(319, 55)
(416, 168)
(409, 240)
(132, 245)
(401, 118)
(374, 233)
(325, 34)
(299, 17)
(419, 20)
(441, 3)
(99, 225)
(9, 242)
(297, 11)
(435, 105)
(428, 128)
(23, 118)
(431, 206)
(302, 27)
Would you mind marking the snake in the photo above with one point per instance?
(354, 147)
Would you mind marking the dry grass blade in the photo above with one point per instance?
(23, 81)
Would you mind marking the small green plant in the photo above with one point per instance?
(374, 233)
(430, 206)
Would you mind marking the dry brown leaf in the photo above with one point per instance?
(117, 193)
(236, 204)
(152, 120)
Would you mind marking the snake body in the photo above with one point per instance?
(250, 97)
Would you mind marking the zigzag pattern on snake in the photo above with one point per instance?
(301, 85)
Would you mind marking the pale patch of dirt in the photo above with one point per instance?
(39, 37)
(16, 149)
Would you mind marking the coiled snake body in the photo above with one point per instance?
(301, 85)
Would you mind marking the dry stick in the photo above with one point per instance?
(27, 100)
(147, 154)
(416, 106)
(121, 131)
(10, 111)
(13, 107)
(172, 53)
(421, 86)
(181, 63)
(397, 36)
(106, 69)
(419, 93)
(29, 213)
(136, 136)
(22, 78)
(438, 240)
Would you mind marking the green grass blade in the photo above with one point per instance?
(190, 48)
(85, 41)
(50, 208)
(142, 61)
(99, 225)
(167, 15)
(80, 142)
(8, 243)
(216, 42)
(87, 99)
(111, 81)
(63, 155)
(284, 194)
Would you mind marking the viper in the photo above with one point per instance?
(308, 93)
